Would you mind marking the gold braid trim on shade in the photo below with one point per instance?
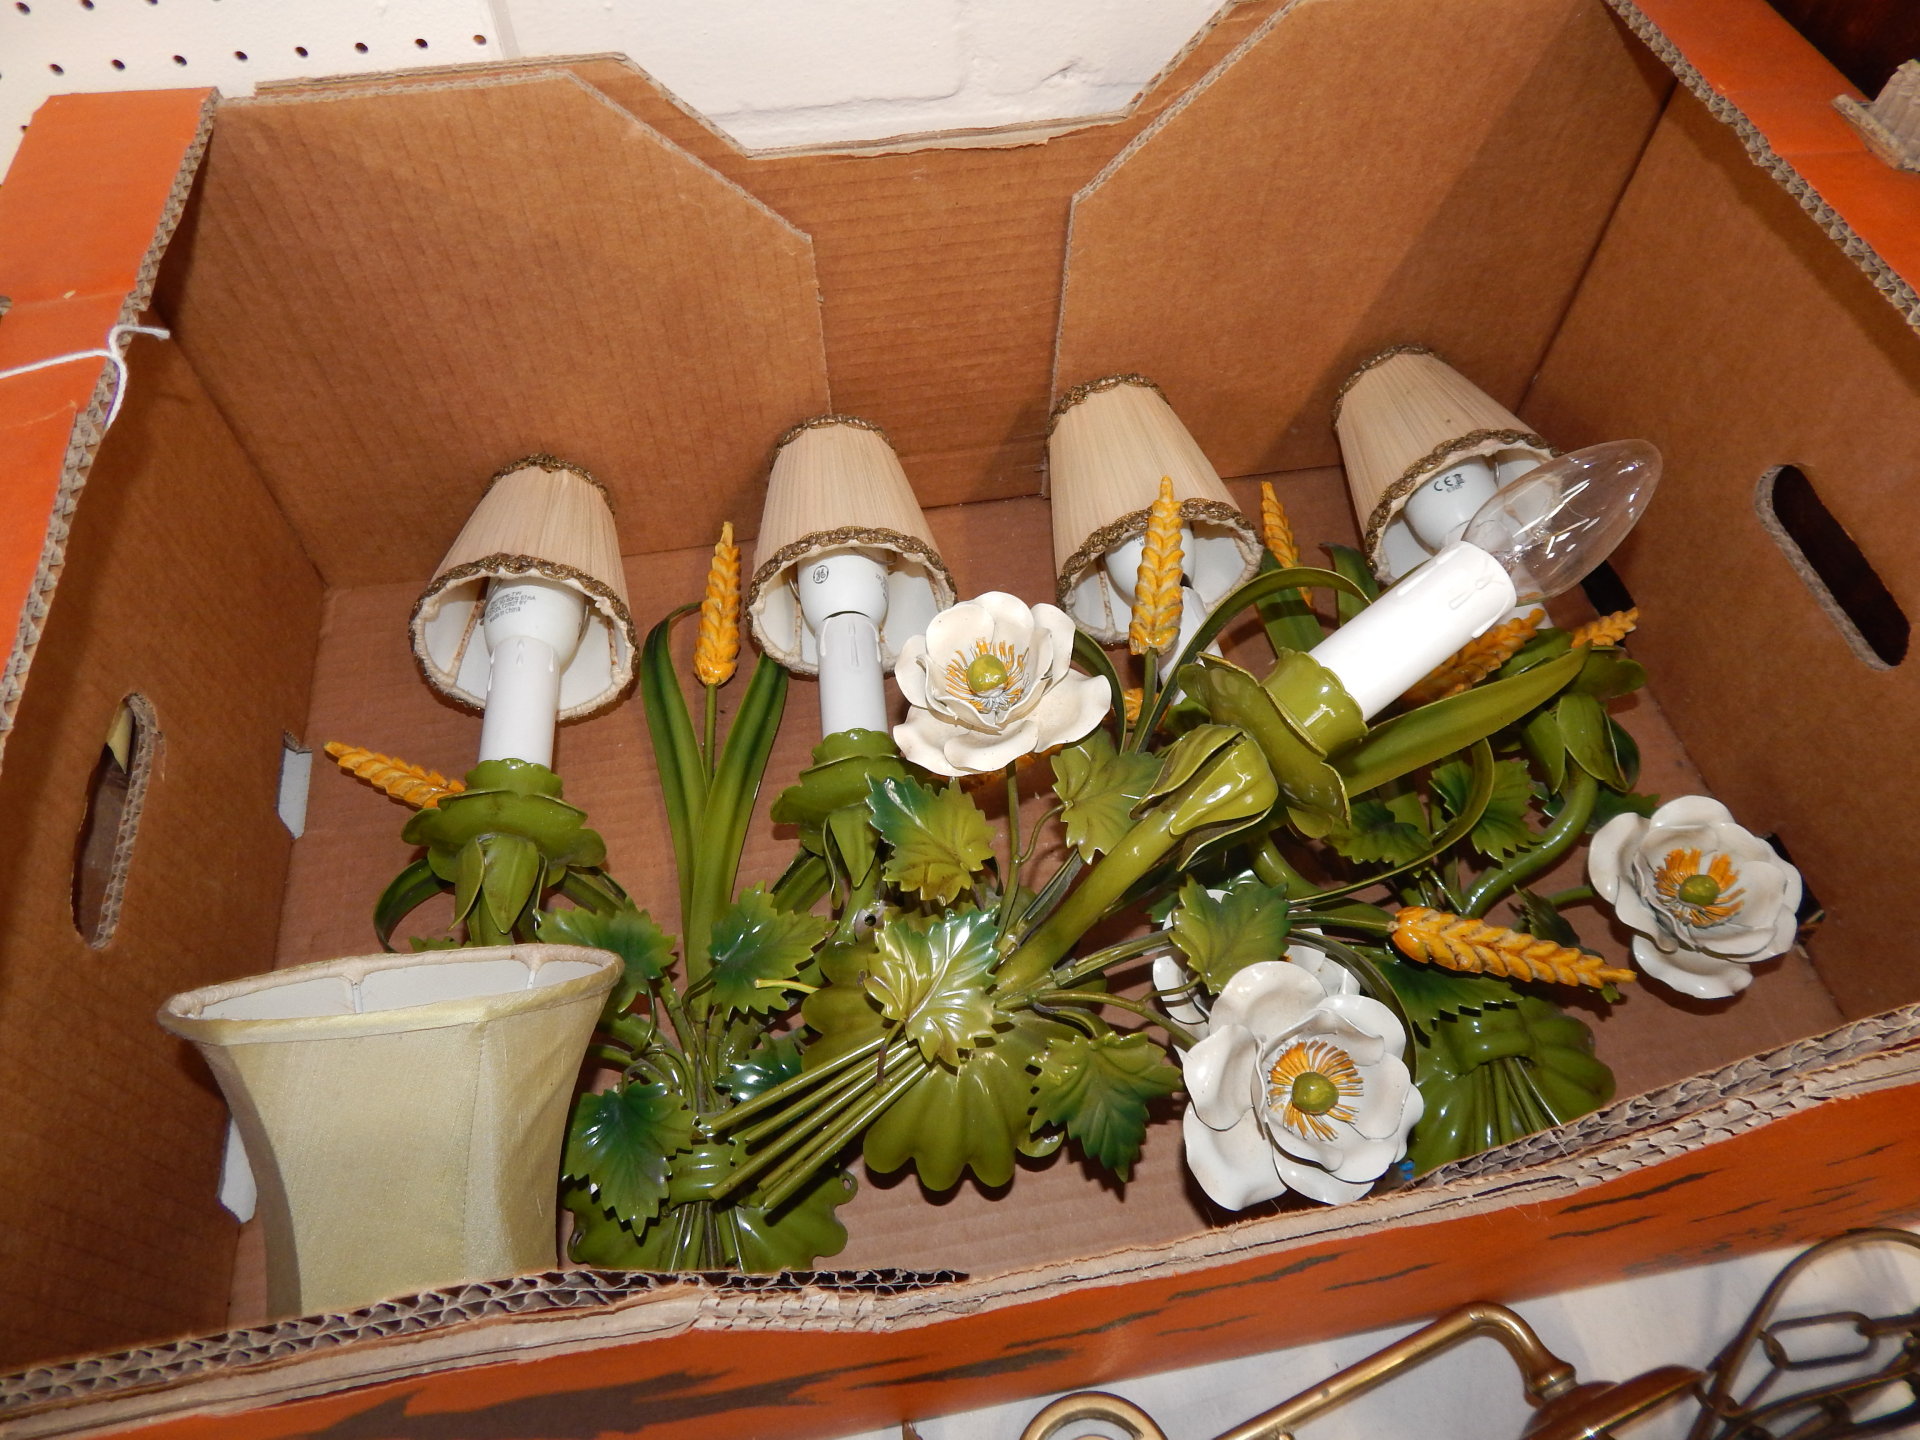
(1217, 512)
(1479, 947)
(410, 784)
(717, 651)
(543, 461)
(1093, 387)
(1155, 622)
(846, 535)
(1340, 395)
(821, 422)
(490, 566)
(1410, 479)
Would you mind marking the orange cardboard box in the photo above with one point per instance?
(1619, 219)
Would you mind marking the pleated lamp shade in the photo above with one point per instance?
(1112, 441)
(1405, 416)
(540, 518)
(403, 1114)
(837, 485)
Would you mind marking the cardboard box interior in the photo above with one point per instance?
(380, 292)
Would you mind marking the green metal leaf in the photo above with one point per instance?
(1433, 732)
(798, 1233)
(512, 878)
(1099, 1089)
(1394, 831)
(645, 950)
(1428, 995)
(1088, 655)
(1547, 745)
(408, 890)
(469, 873)
(1288, 619)
(1583, 721)
(1609, 674)
(506, 797)
(621, 1144)
(930, 977)
(1502, 829)
(1500, 1072)
(1352, 566)
(937, 839)
(1609, 803)
(854, 845)
(676, 752)
(974, 1116)
(1099, 788)
(1220, 937)
(837, 778)
(774, 1059)
(1315, 797)
(756, 945)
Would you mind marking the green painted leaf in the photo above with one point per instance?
(1502, 829)
(774, 1059)
(1583, 721)
(1543, 741)
(1220, 937)
(755, 941)
(644, 948)
(1609, 674)
(621, 1144)
(937, 839)
(974, 1116)
(404, 893)
(1628, 750)
(1394, 831)
(1099, 1089)
(842, 765)
(1315, 797)
(1493, 1075)
(930, 977)
(1099, 788)
(1433, 732)
(803, 1230)
(1428, 994)
(1609, 803)
(1352, 565)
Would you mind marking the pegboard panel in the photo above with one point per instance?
(53, 47)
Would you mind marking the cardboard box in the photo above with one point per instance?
(379, 290)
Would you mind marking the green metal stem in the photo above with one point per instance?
(1555, 841)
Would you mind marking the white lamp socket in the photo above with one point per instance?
(1415, 625)
(533, 629)
(1439, 511)
(843, 596)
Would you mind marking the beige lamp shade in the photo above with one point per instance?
(1112, 441)
(1405, 416)
(837, 485)
(403, 1114)
(540, 518)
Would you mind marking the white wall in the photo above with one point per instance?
(770, 73)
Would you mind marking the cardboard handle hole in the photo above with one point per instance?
(116, 792)
(1829, 562)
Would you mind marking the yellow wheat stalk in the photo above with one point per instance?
(414, 785)
(1476, 660)
(1275, 530)
(1608, 629)
(1130, 701)
(718, 650)
(1156, 592)
(1479, 947)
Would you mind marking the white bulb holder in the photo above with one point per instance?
(844, 600)
(533, 630)
(1411, 628)
(1439, 512)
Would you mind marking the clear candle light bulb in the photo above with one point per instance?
(1537, 537)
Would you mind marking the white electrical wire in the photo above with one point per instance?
(113, 352)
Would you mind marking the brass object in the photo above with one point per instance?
(1566, 1410)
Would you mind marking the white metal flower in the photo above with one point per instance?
(1294, 1088)
(1709, 898)
(1183, 997)
(990, 681)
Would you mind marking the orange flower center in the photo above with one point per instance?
(1699, 897)
(988, 680)
(1312, 1082)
